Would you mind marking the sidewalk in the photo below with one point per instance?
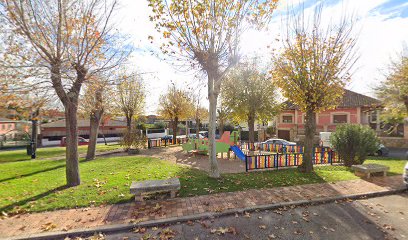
(66, 220)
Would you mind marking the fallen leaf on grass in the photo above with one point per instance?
(262, 227)
(272, 236)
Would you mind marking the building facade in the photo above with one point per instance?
(354, 108)
(56, 130)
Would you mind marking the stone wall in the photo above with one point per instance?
(394, 142)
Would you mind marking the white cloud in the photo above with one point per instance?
(380, 37)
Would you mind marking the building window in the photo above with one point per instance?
(9, 126)
(287, 119)
(3, 126)
(340, 118)
(372, 117)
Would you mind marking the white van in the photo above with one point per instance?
(325, 139)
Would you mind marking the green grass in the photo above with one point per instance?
(396, 166)
(50, 152)
(39, 185)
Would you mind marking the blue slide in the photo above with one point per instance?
(238, 152)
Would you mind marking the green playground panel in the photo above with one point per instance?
(202, 145)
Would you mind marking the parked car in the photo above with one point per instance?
(167, 137)
(279, 141)
(81, 141)
(382, 150)
(405, 176)
(204, 133)
(194, 136)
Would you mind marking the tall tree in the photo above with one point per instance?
(68, 41)
(313, 68)
(130, 96)
(207, 33)
(199, 113)
(223, 115)
(250, 95)
(93, 105)
(394, 91)
(175, 105)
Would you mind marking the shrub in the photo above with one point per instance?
(228, 127)
(160, 125)
(133, 139)
(271, 130)
(353, 143)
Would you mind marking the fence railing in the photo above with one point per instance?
(277, 148)
(277, 155)
(164, 142)
(280, 160)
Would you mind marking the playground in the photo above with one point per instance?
(198, 161)
(235, 156)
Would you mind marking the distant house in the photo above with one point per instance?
(56, 130)
(353, 108)
(8, 125)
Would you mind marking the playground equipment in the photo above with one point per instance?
(237, 151)
(222, 145)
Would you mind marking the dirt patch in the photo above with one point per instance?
(178, 156)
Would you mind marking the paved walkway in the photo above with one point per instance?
(159, 209)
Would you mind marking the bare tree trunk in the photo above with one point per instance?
(175, 128)
(310, 129)
(72, 163)
(197, 128)
(251, 127)
(95, 120)
(103, 134)
(212, 97)
(129, 122)
(221, 127)
(70, 102)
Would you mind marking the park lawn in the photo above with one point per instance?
(33, 186)
(49, 152)
(396, 166)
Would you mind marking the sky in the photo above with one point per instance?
(381, 29)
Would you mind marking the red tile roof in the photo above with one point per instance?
(350, 100)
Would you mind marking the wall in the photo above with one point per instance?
(82, 131)
(6, 127)
(394, 142)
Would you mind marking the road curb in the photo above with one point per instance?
(206, 215)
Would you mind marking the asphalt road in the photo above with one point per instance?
(377, 218)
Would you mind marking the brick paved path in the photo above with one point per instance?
(159, 209)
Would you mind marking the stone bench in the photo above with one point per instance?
(171, 185)
(367, 169)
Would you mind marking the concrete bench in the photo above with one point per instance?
(367, 169)
(171, 185)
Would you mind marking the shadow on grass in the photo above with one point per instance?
(33, 198)
(32, 173)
